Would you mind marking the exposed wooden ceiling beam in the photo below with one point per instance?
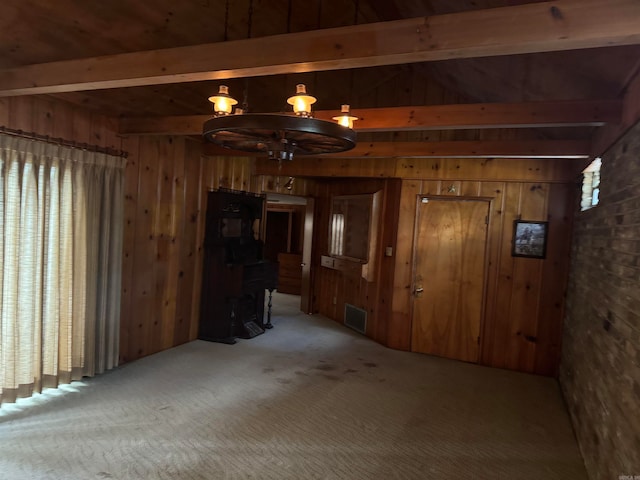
(537, 27)
(611, 133)
(429, 117)
(577, 149)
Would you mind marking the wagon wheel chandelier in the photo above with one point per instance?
(278, 135)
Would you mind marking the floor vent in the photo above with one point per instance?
(355, 318)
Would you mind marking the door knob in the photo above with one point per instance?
(418, 291)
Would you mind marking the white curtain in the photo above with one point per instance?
(60, 264)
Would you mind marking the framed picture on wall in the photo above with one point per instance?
(529, 239)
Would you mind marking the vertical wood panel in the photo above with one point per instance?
(143, 335)
(162, 327)
(325, 288)
(221, 175)
(4, 111)
(555, 271)
(104, 131)
(495, 191)
(198, 250)
(208, 166)
(327, 291)
(499, 327)
(391, 206)
(110, 136)
(63, 115)
(470, 189)
(131, 178)
(171, 157)
(431, 187)
(188, 194)
(400, 322)
(177, 238)
(43, 122)
(82, 126)
(526, 280)
(21, 113)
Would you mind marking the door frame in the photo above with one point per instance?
(487, 249)
(307, 287)
(308, 245)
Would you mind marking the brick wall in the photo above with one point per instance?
(600, 369)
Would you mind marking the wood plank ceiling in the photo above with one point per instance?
(581, 52)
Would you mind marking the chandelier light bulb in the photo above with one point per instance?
(222, 102)
(301, 102)
(346, 119)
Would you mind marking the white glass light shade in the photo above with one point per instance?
(223, 102)
(301, 101)
(346, 119)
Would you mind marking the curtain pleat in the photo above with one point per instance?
(112, 272)
(60, 264)
(39, 278)
(91, 277)
(102, 257)
(10, 257)
(3, 205)
(79, 306)
(50, 288)
(27, 276)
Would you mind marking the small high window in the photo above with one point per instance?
(591, 185)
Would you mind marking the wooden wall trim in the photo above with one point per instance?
(327, 167)
(548, 170)
(399, 328)
(423, 117)
(529, 149)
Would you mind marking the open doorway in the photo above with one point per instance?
(289, 230)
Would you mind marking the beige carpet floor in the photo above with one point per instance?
(309, 399)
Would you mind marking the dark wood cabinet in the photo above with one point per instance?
(235, 275)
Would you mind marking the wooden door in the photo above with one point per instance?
(449, 275)
(306, 294)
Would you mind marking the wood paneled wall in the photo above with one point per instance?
(490, 169)
(334, 288)
(302, 187)
(166, 183)
(56, 119)
(524, 298)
